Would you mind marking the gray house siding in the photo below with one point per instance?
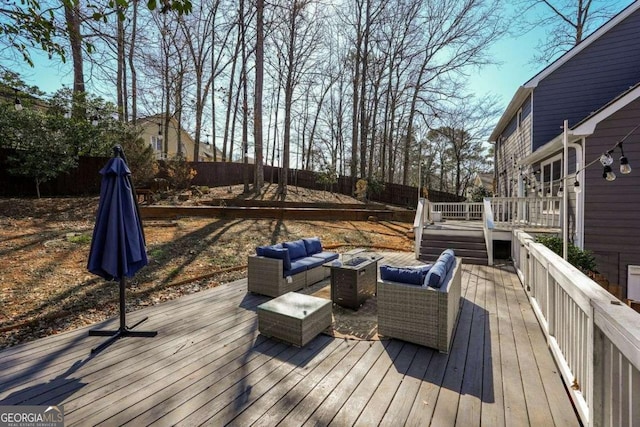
(612, 209)
(603, 70)
(515, 145)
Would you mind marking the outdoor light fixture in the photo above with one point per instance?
(606, 159)
(608, 174)
(576, 187)
(94, 120)
(625, 168)
(17, 104)
(159, 128)
(560, 191)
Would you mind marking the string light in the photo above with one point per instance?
(625, 168)
(17, 104)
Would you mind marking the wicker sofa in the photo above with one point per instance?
(286, 267)
(421, 314)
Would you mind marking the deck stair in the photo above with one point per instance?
(468, 244)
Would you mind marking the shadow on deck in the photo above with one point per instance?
(208, 365)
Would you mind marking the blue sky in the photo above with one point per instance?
(502, 79)
(512, 54)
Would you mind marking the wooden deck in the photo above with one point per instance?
(208, 365)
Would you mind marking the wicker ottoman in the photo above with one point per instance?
(294, 318)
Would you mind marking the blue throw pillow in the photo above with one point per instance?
(449, 257)
(435, 276)
(278, 253)
(260, 252)
(313, 245)
(296, 249)
(403, 275)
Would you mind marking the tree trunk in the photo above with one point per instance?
(245, 106)
(225, 140)
(363, 90)
(120, 74)
(132, 67)
(72, 17)
(257, 100)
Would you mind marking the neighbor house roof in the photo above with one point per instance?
(523, 91)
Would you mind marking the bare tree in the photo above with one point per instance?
(257, 99)
(567, 21)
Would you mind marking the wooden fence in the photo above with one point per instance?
(85, 180)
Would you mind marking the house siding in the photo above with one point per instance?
(603, 70)
(612, 208)
(515, 146)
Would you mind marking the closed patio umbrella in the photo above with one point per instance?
(118, 244)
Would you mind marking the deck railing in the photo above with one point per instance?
(418, 225)
(594, 338)
(508, 212)
(462, 210)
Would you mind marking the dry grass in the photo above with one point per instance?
(44, 245)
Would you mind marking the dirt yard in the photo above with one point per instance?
(46, 289)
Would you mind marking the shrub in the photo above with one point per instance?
(581, 259)
(179, 173)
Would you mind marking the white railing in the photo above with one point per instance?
(487, 227)
(508, 212)
(594, 338)
(418, 225)
(527, 211)
(463, 211)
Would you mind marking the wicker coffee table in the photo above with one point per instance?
(354, 278)
(294, 318)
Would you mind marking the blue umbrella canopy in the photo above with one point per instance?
(118, 245)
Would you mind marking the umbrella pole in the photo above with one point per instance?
(123, 331)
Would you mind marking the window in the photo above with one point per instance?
(551, 180)
(519, 119)
(156, 142)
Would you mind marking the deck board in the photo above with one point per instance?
(209, 365)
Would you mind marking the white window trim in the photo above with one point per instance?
(546, 185)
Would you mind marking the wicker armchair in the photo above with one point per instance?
(421, 315)
(265, 277)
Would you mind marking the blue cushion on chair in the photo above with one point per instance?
(313, 245)
(411, 276)
(449, 257)
(296, 249)
(278, 253)
(437, 273)
(259, 249)
(326, 256)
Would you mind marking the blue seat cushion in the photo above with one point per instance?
(313, 245)
(259, 249)
(326, 256)
(299, 265)
(437, 273)
(296, 248)
(278, 253)
(449, 257)
(413, 276)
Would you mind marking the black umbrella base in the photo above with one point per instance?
(124, 331)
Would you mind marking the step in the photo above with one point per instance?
(465, 260)
(461, 252)
(479, 246)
